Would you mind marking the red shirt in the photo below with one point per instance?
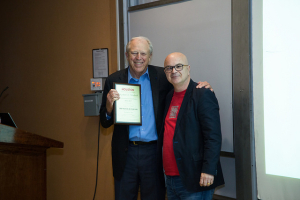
(169, 161)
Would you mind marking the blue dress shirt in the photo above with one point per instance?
(147, 132)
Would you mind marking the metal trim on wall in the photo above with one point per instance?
(242, 100)
(219, 197)
(152, 4)
(121, 34)
(227, 154)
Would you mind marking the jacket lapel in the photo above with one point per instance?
(185, 101)
(123, 78)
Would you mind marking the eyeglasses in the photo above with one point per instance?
(135, 54)
(177, 67)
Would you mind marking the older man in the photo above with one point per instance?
(191, 136)
(134, 148)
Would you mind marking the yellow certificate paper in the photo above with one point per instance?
(128, 108)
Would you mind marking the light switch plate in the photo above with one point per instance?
(96, 84)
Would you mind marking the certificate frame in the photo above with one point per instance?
(128, 109)
(100, 63)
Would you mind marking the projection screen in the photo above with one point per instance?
(276, 89)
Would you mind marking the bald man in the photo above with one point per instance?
(191, 137)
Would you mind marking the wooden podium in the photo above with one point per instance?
(23, 164)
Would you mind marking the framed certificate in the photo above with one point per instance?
(127, 110)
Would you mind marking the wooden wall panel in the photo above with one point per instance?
(46, 60)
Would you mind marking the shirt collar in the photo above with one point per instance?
(130, 77)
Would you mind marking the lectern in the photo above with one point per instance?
(23, 164)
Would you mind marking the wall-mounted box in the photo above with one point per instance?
(92, 103)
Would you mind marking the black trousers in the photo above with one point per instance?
(141, 170)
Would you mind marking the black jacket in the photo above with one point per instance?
(197, 138)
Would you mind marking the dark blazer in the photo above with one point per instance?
(197, 138)
(120, 139)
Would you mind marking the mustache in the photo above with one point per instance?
(176, 74)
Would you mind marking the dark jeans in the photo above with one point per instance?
(140, 170)
(176, 191)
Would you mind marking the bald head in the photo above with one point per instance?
(179, 77)
(176, 58)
